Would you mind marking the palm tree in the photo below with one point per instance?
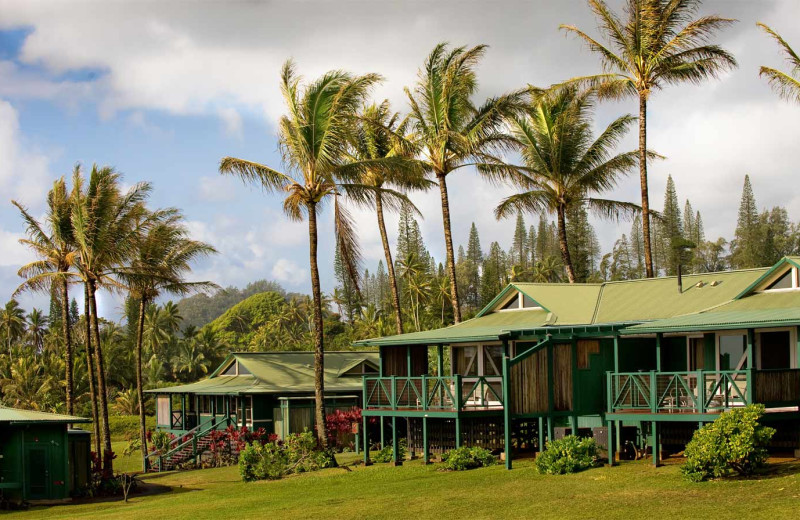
(381, 137)
(12, 323)
(314, 138)
(37, 328)
(54, 247)
(659, 43)
(453, 132)
(159, 264)
(563, 165)
(106, 224)
(786, 85)
(546, 270)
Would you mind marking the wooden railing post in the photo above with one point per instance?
(459, 398)
(506, 411)
(701, 392)
(610, 393)
(424, 392)
(653, 392)
(393, 379)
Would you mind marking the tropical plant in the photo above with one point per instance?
(161, 258)
(786, 85)
(12, 323)
(314, 139)
(563, 165)
(106, 225)
(468, 457)
(659, 43)
(452, 132)
(381, 137)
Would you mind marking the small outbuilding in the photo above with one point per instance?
(41, 458)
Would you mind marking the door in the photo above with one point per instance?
(38, 470)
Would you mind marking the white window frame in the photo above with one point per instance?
(795, 281)
(479, 359)
(792, 344)
(720, 334)
(520, 306)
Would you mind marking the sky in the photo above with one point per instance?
(163, 90)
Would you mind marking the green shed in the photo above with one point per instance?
(41, 459)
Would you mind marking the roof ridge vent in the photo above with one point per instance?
(700, 284)
(715, 283)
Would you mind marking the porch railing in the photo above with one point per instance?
(446, 393)
(697, 391)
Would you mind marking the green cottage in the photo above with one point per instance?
(637, 364)
(40, 458)
(270, 390)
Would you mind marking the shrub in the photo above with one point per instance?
(262, 462)
(567, 455)
(464, 458)
(339, 426)
(734, 442)
(385, 454)
(271, 460)
(159, 440)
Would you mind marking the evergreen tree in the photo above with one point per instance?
(671, 228)
(531, 245)
(494, 273)
(474, 257)
(746, 244)
(581, 239)
(519, 245)
(346, 294)
(637, 249)
(74, 315)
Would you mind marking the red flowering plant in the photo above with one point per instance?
(340, 425)
(241, 437)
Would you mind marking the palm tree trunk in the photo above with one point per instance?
(648, 256)
(139, 383)
(105, 431)
(319, 354)
(562, 243)
(67, 330)
(90, 371)
(389, 264)
(448, 241)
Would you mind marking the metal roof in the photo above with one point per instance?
(17, 416)
(623, 304)
(274, 372)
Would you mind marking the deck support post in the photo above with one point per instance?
(365, 435)
(383, 431)
(659, 337)
(655, 441)
(550, 428)
(458, 430)
(751, 339)
(612, 457)
(506, 404)
(395, 449)
(426, 458)
(541, 434)
(573, 424)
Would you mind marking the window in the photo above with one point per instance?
(528, 303)
(230, 371)
(512, 304)
(465, 360)
(732, 352)
(696, 353)
(784, 282)
(484, 360)
(242, 369)
(775, 349)
(162, 411)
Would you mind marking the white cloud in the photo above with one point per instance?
(14, 253)
(23, 170)
(215, 189)
(289, 272)
(232, 122)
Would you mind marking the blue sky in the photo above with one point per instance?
(163, 90)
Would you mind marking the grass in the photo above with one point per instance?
(634, 489)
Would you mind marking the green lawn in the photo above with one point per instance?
(632, 490)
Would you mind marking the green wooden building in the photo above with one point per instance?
(631, 363)
(41, 459)
(271, 390)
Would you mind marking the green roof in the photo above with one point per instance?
(17, 416)
(612, 305)
(279, 373)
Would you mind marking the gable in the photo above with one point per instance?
(785, 275)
